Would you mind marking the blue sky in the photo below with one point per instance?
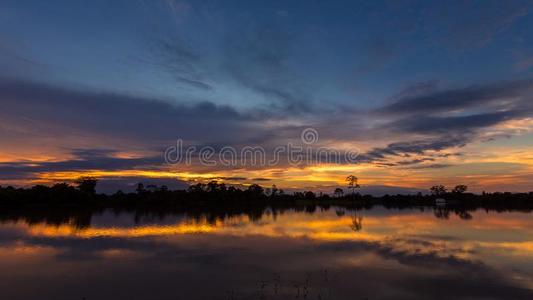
(352, 53)
(302, 63)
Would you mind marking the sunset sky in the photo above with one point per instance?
(424, 92)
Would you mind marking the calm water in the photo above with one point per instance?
(333, 254)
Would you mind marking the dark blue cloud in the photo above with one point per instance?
(456, 124)
(119, 115)
(418, 147)
(507, 95)
(86, 160)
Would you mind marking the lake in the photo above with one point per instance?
(375, 253)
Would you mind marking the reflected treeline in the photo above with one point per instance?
(65, 204)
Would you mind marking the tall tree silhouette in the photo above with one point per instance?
(352, 183)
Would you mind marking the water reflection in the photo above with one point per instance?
(334, 253)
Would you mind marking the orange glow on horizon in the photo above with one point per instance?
(501, 168)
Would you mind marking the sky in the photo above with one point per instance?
(417, 92)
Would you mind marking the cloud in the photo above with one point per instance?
(430, 166)
(413, 147)
(261, 179)
(423, 120)
(149, 121)
(90, 159)
(177, 57)
(500, 95)
(454, 124)
(428, 119)
(73, 119)
(95, 159)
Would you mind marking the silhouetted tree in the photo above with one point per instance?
(140, 188)
(196, 188)
(222, 187)
(255, 190)
(338, 192)
(460, 189)
(212, 186)
(352, 183)
(274, 191)
(438, 190)
(87, 184)
(309, 195)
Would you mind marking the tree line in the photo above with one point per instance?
(83, 191)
